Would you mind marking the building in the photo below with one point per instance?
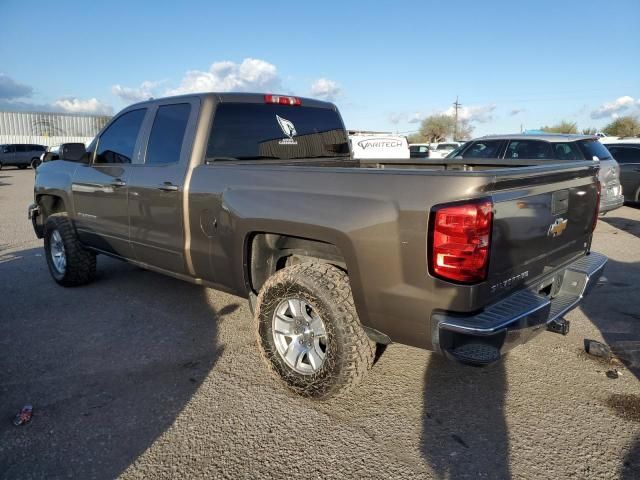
(49, 128)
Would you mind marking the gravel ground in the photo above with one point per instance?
(142, 376)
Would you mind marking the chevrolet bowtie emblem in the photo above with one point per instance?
(557, 227)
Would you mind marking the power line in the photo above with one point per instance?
(456, 105)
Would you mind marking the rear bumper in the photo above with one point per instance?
(485, 337)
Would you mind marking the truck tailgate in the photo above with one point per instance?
(540, 224)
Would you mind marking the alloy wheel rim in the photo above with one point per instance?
(58, 255)
(300, 336)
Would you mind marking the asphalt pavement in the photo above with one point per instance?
(143, 376)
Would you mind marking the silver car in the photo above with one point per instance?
(548, 148)
(21, 155)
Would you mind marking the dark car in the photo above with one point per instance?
(21, 155)
(627, 154)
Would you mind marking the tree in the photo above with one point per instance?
(439, 127)
(628, 126)
(589, 131)
(561, 127)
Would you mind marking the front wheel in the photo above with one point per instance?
(309, 332)
(69, 263)
(35, 163)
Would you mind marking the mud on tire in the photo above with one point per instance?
(80, 266)
(349, 352)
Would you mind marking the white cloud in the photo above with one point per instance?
(416, 117)
(404, 117)
(516, 111)
(251, 75)
(133, 95)
(615, 108)
(474, 113)
(76, 105)
(325, 89)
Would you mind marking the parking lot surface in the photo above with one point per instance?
(142, 376)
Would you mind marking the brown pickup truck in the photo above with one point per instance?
(258, 195)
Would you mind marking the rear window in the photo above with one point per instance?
(254, 131)
(593, 148)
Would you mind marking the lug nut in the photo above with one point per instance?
(300, 341)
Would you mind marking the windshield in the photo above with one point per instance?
(255, 131)
(593, 148)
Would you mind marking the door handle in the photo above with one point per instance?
(118, 183)
(168, 187)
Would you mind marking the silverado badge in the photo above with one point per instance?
(557, 227)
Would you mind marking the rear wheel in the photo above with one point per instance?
(309, 332)
(69, 263)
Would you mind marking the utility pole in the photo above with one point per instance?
(456, 106)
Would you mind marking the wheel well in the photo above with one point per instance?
(50, 204)
(270, 252)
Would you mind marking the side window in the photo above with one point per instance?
(116, 145)
(483, 149)
(167, 134)
(21, 148)
(625, 154)
(529, 149)
(567, 151)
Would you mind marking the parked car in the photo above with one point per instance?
(626, 151)
(419, 150)
(20, 155)
(379, 146)
(546, 148)
(258, 195)
(441, 150)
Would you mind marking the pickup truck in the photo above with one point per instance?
(259, 196)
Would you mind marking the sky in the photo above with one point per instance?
(387, 65)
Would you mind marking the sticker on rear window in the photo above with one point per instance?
(289, 129)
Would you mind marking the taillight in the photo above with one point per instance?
(459, 239)
(597, 212)
(282, 100)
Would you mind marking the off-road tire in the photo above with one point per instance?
(349, 354)
(80, 263)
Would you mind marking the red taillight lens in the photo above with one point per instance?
(460, 236)
(597, 212)
(282, 100)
